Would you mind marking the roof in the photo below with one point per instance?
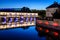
(10, 9)
(55, 4)
(16, 10)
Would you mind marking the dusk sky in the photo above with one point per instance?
(32, 4)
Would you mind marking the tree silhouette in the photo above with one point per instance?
(56, 15)
(42, 13)
(25, 9)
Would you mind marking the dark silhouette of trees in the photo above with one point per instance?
(42, 13)
(34, 11)
(25, 9)
(56, 15)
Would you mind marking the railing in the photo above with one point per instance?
(52, 21)
(45, 18)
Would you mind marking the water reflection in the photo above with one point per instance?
(42, 33)
(28, 33)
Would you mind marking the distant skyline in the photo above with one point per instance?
(32, 4)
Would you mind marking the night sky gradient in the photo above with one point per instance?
(32, 4)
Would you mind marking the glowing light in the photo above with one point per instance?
(40, 22)
(46, 22)
(27, 19)
(55, 33)
(40, 29)
(16, 19)
(4, 20)
(55, 24)
(46, 30)
(10, 19)
(21, 19)
(31, 20)
(9, 24)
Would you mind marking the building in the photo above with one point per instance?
(11, 19)
(50, 10)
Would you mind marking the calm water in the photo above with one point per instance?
(20, 34)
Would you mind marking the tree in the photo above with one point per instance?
(25, 9)
(42, 13)
(34, 11)
(56, 15)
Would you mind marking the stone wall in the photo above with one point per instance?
(50, 11)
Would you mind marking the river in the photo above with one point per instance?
(29, 33)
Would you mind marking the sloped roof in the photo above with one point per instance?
(10, 9)
(55, 4)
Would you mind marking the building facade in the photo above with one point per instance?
(16, 19)
(50, 10)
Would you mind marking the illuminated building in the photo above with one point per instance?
(11, 19)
